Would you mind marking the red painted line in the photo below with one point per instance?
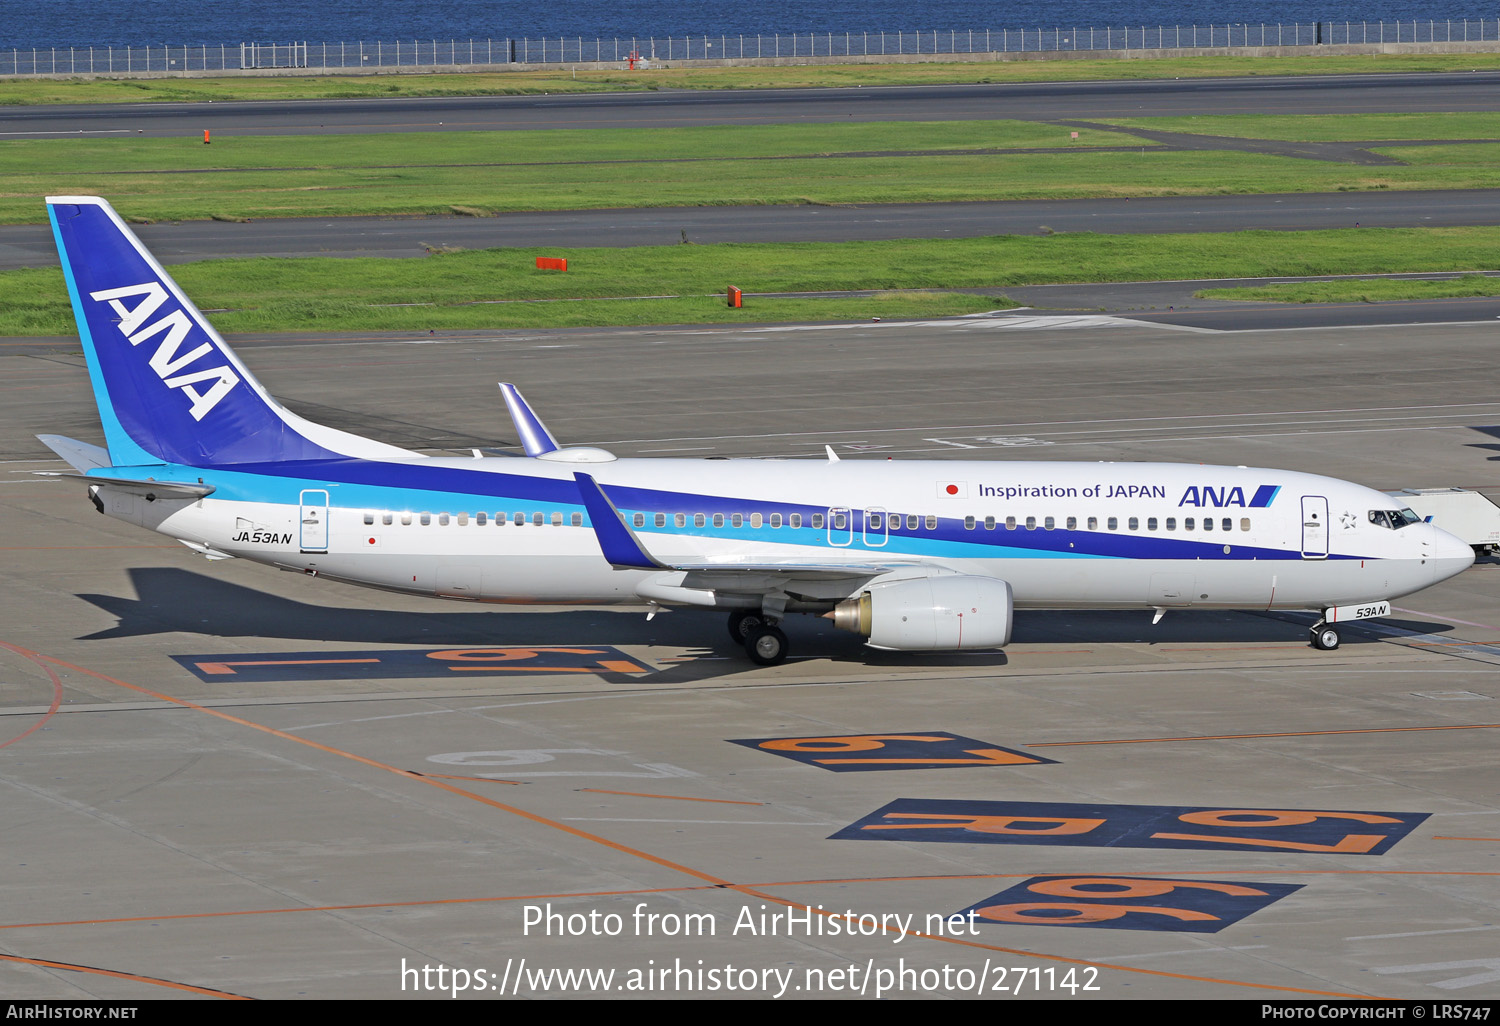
(47, 964)
(56, 692)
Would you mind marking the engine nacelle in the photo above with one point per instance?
(931, 613)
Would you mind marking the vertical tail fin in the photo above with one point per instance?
(169, 390)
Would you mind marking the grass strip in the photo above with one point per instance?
(466, 289)
(1327, 127)
(177, 89)
(487, 172)
(1378, 290)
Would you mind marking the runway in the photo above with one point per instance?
(205, 797)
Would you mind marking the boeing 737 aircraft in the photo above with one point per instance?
(914, 555)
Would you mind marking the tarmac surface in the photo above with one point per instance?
(1030, 101)
(183, 241)
(223, 780)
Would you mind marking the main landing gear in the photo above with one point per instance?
(1324, 637)
(764, 642)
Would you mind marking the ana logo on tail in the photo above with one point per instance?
(165, 361)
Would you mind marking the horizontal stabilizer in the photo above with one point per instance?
(81, 456)
(150, 489)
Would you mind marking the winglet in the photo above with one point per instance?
(621, 547)
(535, 438)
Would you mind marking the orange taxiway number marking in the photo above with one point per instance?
(225, 667)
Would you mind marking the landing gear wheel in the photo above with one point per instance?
(766, 645)
(1325, 639)
(741, 623)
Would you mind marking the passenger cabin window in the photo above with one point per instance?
(661, 520)
(1150, 523)
(442, 519)
(426, 519)
(1188, 523)
(911, 521)
(577, 520)
(1171, 523)
(1072, 523)
(1093, 523)
(536, 520)
(481, 519)
(699, 520)
(1226, 524)
(718, 520)
(386, 519)
(1208, 523)
(1135, 523)
(680, 520)
(817, 521)
(989, 523)
(518, 519)
(932, 523)
(369, 518)
(1010, 523)
(557, 520)
(1244, 523)
(775, 519)
(1031, 523)
(406, 519)
(795, 520)
(1049, 523)
(737, 520)
(968, 523)
(756, 520)
(1113, 523)
(639, 520)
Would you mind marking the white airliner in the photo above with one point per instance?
(914, 555)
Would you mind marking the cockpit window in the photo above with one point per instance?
(1393, 519)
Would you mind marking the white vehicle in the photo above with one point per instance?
(1467, 515)
(918, 555)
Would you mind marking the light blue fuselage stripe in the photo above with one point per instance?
(950, 539)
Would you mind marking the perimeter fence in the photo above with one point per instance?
(427, 53)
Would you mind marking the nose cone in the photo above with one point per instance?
(1450, 555)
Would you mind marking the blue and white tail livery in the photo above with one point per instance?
(914, 555)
